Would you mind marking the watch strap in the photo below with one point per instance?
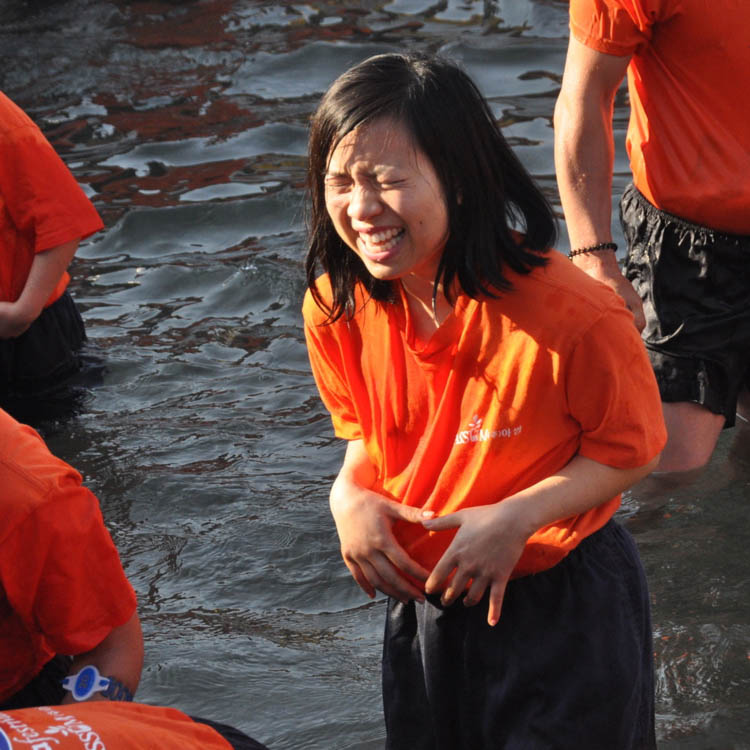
(117, 691)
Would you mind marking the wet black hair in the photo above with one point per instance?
(487, 190)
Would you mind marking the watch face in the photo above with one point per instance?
(86, 683)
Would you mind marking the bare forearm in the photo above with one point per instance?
(578, 487)
(46, 271)
(584, 146)
(119, 655)
(491, 538)
(584, 154)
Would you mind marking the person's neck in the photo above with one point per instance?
(428, 307)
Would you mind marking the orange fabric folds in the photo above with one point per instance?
(503, 395)
(62, 587)
(41, 204)
(689, 133)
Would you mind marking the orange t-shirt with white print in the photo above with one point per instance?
(104, 725)
(689, 132)
(41, 204)
(503, 395)
(62, 586)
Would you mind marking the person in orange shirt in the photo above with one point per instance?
(43, 216)
(686, 217)
(495, 401)
(116, 726)
(71, 647)
(66, 606)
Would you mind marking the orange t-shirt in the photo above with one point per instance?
(104, 725)
(41, 204)
(62, 586)
(689, 132)
(503, 395)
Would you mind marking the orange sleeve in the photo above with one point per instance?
(612, 393)
(62, 574)
(40, 194)
(327, 359)
(615, 27)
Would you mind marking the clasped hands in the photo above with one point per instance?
(481, 556)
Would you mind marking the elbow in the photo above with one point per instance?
(648, 468)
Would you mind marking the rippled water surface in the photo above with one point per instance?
(207, 445)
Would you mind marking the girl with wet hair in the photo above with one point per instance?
(495, 402)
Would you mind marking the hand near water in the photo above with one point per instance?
(364, 521)
(482, 555)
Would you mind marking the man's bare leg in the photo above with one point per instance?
(692, 432)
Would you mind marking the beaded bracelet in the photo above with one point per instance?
(593, 249)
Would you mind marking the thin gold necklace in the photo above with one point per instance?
(433, 301)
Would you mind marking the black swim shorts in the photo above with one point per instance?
(568, 665)
(695, 287)
(45, 689)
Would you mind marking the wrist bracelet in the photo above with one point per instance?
(593, 249)
(88, 681)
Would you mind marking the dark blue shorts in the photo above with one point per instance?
(45, 689)
(695, 287)
(46, 371)
(569, 666)
(238, 740)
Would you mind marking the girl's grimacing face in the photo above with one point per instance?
(386, 202)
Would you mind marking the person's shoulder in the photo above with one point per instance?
(31, 475)
(316, 307)
(617, 27)
(14, 120)
(561, 291)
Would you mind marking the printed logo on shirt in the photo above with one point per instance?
(475, 433)
(21, 734)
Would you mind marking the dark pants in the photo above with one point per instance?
(44, 372)
(45, 689)
(569, 665)
(238, 740)
(695, 287)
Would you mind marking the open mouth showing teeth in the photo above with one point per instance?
(381, 242)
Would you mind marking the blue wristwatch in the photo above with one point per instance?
(88, 681)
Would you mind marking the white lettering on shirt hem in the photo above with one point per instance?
(475, 433)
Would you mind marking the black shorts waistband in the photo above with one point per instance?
(631, 193)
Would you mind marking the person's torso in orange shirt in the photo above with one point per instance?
(689, 132)
(483, 409)
(41, 204)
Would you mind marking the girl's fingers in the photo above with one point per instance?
(449, 521)
(497, 593)
(406, 512)
(440, 572)
(476, 591)
(403, 562)
(381, 575)
(360, 578)
(455, 588)
(393, 583)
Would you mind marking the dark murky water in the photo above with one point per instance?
(209, 449)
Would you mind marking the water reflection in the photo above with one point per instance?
(186, 122)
